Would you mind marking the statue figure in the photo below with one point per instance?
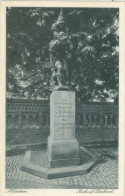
(60, 53)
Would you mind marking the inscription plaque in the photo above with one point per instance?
(63, 112)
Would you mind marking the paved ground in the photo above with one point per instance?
(103, 176)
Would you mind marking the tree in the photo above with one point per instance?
(94, 34)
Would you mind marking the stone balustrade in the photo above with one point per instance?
(27, 114)
(20, 114)
(32, 118)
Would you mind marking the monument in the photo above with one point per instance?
(63, 148)
(63, 156)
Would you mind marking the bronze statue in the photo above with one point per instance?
(60, 53)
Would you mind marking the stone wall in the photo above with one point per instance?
(27, 122)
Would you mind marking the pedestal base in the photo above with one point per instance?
(63, 162)
(37, 163)
(62, 153)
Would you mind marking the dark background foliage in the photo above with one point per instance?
(94, 34)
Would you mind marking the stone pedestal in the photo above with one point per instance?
(63, 148)
(61, 159)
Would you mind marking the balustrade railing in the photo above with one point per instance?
(38, 115)
(28, 122)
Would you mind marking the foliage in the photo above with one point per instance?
(94, 66)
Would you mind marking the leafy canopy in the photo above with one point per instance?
(94, 66)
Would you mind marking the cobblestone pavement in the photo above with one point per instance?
(103, 176)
